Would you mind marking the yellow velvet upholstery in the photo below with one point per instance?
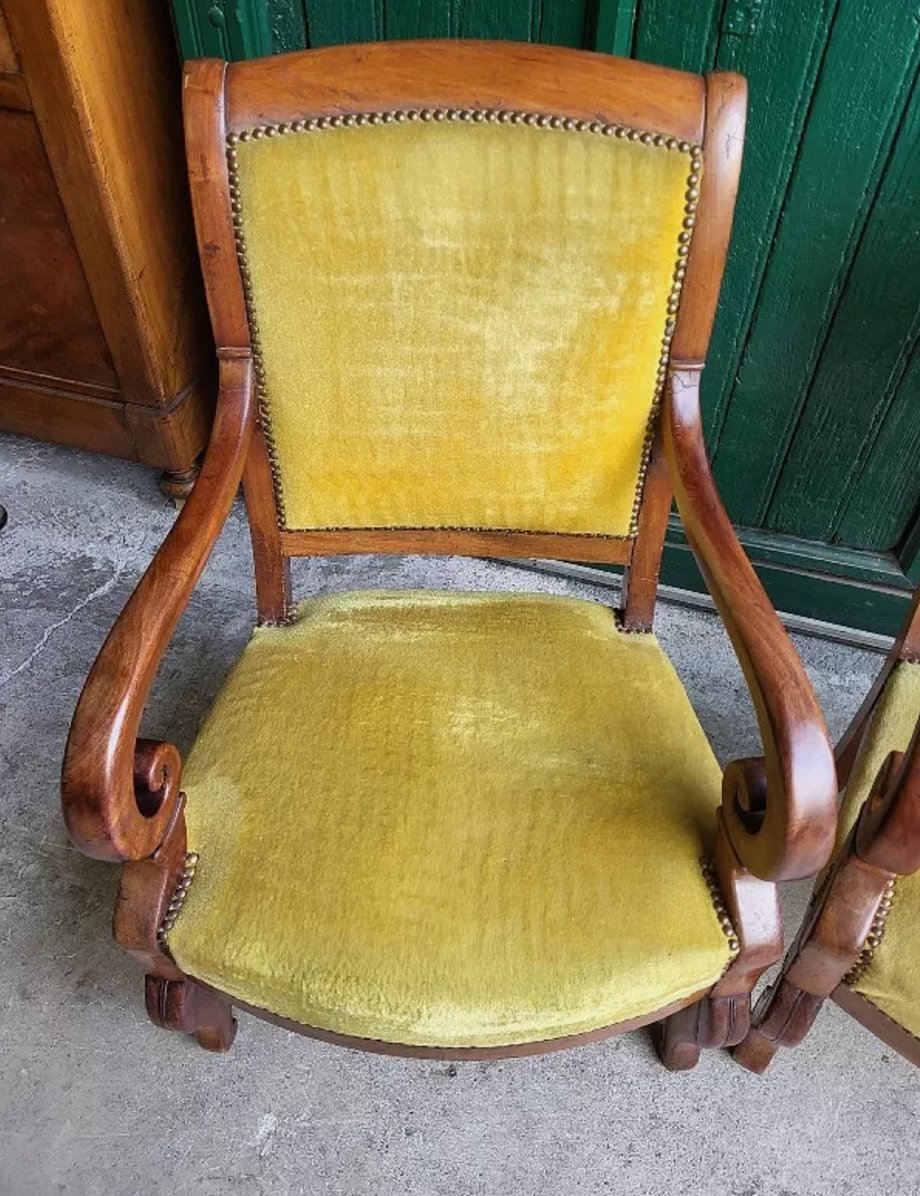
(451, 820)
(892, 979)
(460, 325)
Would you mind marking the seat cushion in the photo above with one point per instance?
(452, 820)
(891, 980)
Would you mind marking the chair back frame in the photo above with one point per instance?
(222, 102)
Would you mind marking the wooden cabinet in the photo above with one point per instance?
(104, 338)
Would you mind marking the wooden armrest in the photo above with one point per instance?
(780, 811)
(121, 795)
(888, 831)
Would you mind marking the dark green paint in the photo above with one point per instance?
(872, 607)
(614, 26)
(891, 472)
(871, 337)
(812, 394)
(855, 111)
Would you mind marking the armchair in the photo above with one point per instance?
(462, 295)
(860, 939)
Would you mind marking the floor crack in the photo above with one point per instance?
(99, 592)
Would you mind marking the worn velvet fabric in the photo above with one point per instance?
(452, 820)
(460, 324)
(892, 979)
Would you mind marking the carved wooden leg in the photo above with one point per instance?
(722, 1018)
(677, 1039)
(177, 483)
(845, 920)
(784, 1015)
(186, 1006)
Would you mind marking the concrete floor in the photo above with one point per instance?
(93, 1099)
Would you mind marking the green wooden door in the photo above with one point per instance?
(812, 395)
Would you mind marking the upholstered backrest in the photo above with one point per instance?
(461, 319)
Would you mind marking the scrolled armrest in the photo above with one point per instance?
(888, 829)
(121, 795)
(780, 812)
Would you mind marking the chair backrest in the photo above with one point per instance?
(462, 270)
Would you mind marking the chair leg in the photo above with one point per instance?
(723, 1017)
(784, 1015)
(714, 1021)
(186, 1006)
(677, 1038)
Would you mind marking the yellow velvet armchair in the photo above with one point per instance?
(461, 294)
(859, 943)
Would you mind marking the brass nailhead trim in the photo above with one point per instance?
(718, 902)
(539, 120)
(874, 937)
(186, 876)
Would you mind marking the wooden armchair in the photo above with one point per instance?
(462, 295)
(871, 891)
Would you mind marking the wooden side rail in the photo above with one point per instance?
(121, 795)
(780, 811)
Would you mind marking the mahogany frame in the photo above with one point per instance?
(122, 795)
(845, 916)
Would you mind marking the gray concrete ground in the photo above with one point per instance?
(93, 1099)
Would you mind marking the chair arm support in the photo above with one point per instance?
(780, 811)
(888, 829)
(121, 795)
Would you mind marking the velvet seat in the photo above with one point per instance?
(890, 977)
(452, 820)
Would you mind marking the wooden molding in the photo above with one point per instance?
(120, 804)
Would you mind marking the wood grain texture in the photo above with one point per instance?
(640, 577)
(722, 1018)
(852, 122)
(8, 59)
(82, 420)
(726, 108)
(48, 322)
(205, 128)
(109, 812)
(790, 833)
(102, 423)
(146, 288)
(472, 542)
(384, 75)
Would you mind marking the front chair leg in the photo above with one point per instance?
(712, 1022)
(677, 1038)
(723, 1017)
(186, 1006)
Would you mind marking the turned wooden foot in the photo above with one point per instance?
(185, 1006)
(177, 483)
(784, 1015)
(755, 1052)
(712, 1022)
(677, 1039)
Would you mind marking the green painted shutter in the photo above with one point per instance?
(812, 394)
